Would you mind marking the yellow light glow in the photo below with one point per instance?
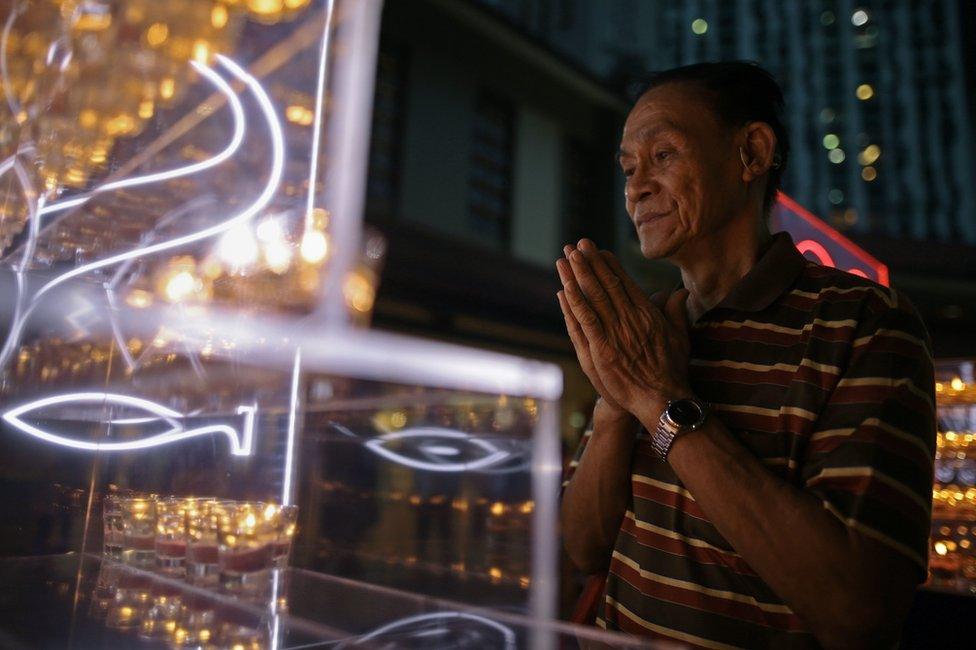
(398, 419)
(315, 247)
(495, 573)
(167, 88)
(699, 26)
(201, 51)
(156, 34)
(870, 154)
(957, 384)
(180, 286)
(527, 507)
(92, 21)
(359, 292)
(277, 256)
(865, 92)
(869, 173)
(218, 16)
(266, 7)
(941, 548)
(139, 298)
(498, 508)
(146, 109)
(87, 118)
(250, 521)
(204, 635)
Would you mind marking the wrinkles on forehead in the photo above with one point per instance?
(679, 107)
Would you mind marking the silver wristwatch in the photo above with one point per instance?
(680, 416)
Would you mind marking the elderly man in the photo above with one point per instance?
(758, 472)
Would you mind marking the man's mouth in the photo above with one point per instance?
(649, 216)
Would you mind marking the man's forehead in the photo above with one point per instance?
(668, 108)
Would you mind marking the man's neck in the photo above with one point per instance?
(712, 265)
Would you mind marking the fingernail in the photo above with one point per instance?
(567, 249)
(576, 256)
(586, 245)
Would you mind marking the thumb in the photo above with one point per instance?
(675, 309)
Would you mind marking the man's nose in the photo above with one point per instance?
(641, 185)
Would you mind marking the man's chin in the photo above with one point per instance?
(658, 249)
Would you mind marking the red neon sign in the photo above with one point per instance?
(823, 244)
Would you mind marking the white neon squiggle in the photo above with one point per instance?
(317, 126)
(494, 454)
(11, 100)
(240, 445)
(507, 633)
(277, 167)
(239, 128)
(292, 416)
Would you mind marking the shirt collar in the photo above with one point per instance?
(778, 266)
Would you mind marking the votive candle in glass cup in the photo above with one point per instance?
(245, 538)
(171, 533)
(285, 521)
(201, 542)
(138, 530)
(112, 531)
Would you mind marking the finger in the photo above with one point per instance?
(580, 308)
(634, 292)
(576, 334)
(592, 288)
(660, 299)
(611, 281)
(676, 311)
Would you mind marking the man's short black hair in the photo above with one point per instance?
(739, 92)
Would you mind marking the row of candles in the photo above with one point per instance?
(209, 542)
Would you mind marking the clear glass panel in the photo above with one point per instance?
(183, 356)
(952, 549)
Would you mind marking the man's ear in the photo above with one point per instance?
(757, 150)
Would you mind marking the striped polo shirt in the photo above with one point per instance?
(827, 378)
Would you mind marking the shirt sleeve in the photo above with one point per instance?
(870, 458)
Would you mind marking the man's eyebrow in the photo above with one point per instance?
(649, 133)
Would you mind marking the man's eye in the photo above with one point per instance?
(663, 155)
(628, 173)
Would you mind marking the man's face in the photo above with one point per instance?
(681, 168)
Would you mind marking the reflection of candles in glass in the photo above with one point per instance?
(112, 527)
(171, 535)
(201, 546)
(244, 546)
(139, 529)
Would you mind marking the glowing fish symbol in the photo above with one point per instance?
(438, 450)
(441, 629)
(240, 444)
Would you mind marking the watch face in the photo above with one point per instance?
(684, 412)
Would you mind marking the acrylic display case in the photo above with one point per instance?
(952, 548)
(186, 356)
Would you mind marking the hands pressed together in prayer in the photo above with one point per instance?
(634, 352)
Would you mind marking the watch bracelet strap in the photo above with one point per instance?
(662, 440)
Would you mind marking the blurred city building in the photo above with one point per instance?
(495, 125)
(880, 102)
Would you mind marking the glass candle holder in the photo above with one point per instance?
(112, 531)
(201, 564)
(285, 521)
(138, 530)
(245, 537)
(171, 534)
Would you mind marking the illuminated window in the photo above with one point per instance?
(699, 26)
(869, 174)
(831, 141)
(870, 154)
(865, 92)
(836, 156)
(859, 18)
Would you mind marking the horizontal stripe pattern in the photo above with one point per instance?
(831, 387)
